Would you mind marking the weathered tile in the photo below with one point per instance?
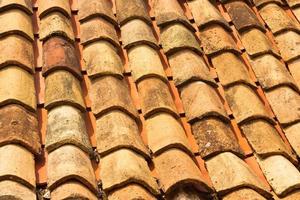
(19, 126)
(177, 37)
(145, 62)
(205, 14)
(272, 73)
(115, 97)
(70, 163)
(293, 3)
(134, 9)
(59, 54)
(165, 132)
(155, 97)
(201, 100)
(287, 44)
(17, 86)
(61, 87)
(14, 160)
(260, 3)
(66, 125)
(215, 40)
(15, 21)
(98, 29)
(187, 66)
(56, 24)
(174, 167)
(214, 136)
(15, 50)
(169, 12)
(285, 103)
(116, 130)
(72, 190)
(295, 71)
(277, 19)
(242, 16)
(265, 140)
(231, 70)
(229, 172)
(100, 59)
(24, 5)
(245, 104)
(291, 196)
(282, 175)
(296, 12)
(48, 6)
(14, 190)
(123, 167)
(187, 192)
(245, 194)
(136, 32)
(131, 191)
(292, 134)
(89, 9)
(256, 43)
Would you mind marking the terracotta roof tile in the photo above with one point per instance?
(245, 194)
(176, 168)
(155, 97)
(123, 167)
(288, 45)
(116, 97)
(292, 196)
(265, 140)
(187, 67)
(177, 37)
(205, 14)
(24, 5)
(231, 70)
(16, 21)
(59, 54)
(131, 191)
(187, 192)
(63, 88)
(15, 50)
(109, 63)
(22, 127)
(56, 24)
(271, 73)
(136, 32)
(260, 3)
(14, 159)
(228, 173)
(292, 134)
(98, 29)
(116, 130)
(276, 170)
(13, 190)
(70, 163)
(73, 190)
(199, 93)
(214, 136)
(242, 16)
(129, 10)
(17, 86)
(89, 9)
(285, 103)
(48, 6)
(277, 19)
(165, 132)
(168, 12)
(295, 71)
(293, 3)
(65, 125)
(145, 62)
(215, 40)
(245, 104)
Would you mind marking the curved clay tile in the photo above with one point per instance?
(14, 190)
(187, 192)
(131, 191)
(165, 132)
(287, 44)
(293, 3)
(261, 3)
(16, 50)
(62, 88)
(48, 6)
(109, 63)
(116, 130)
(245, 194)
(24, 5)
(155, 97)
(89, 9)
(292, 134)
(17, 87)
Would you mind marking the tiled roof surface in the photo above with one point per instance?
(150, 99)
